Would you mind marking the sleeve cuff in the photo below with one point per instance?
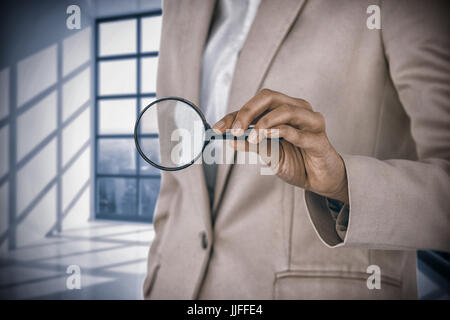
(340, 213)
(329, 218)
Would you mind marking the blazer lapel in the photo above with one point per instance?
(192, 25)
(180, 75)
(272, 22)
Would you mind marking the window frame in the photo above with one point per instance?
(138, 96)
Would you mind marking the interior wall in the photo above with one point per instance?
(46, 115)
(45, 118)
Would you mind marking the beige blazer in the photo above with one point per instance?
(385, 96)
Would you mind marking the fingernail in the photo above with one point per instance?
(252, 137)
(237, 129)
(217, 127)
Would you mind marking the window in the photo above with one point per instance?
(126, 62)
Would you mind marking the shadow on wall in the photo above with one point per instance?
(45, 135)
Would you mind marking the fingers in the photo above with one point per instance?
(265, 100)
(243, 145)
(315, 143)
(270, 153)
(225, 123)
(294, 118)
(264, 150)
(300, 118)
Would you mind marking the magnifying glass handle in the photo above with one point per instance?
(228, 136)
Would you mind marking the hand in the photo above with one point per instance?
(306, 157)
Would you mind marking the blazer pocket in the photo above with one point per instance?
(331, 285)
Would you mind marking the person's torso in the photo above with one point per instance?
(264, 245)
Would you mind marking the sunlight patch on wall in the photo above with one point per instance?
(36, 73)
(41, 218)
(35, 175)
(75, 135)
(74, 178)
(76, 92)
(76, 50)
(79, 213)
(36, 124)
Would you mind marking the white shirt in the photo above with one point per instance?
(229, 28)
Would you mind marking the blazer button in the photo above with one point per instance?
(204, 240)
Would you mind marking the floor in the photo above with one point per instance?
(111, 257)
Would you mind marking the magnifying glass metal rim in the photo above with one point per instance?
(206, 125)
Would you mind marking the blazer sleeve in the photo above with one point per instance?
(402, 204)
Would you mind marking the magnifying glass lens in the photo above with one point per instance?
(170, 134)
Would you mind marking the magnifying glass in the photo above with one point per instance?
(171, 133)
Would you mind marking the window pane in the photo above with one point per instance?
(116, 156)
(117, 196)
(149, 189)
(117, 116)
(148, 74)
(146, 101)
(150, 125)
(147, 169)
(151, 146)
(118, 37)
(151, 143)
(117, 77)
(151, 32)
